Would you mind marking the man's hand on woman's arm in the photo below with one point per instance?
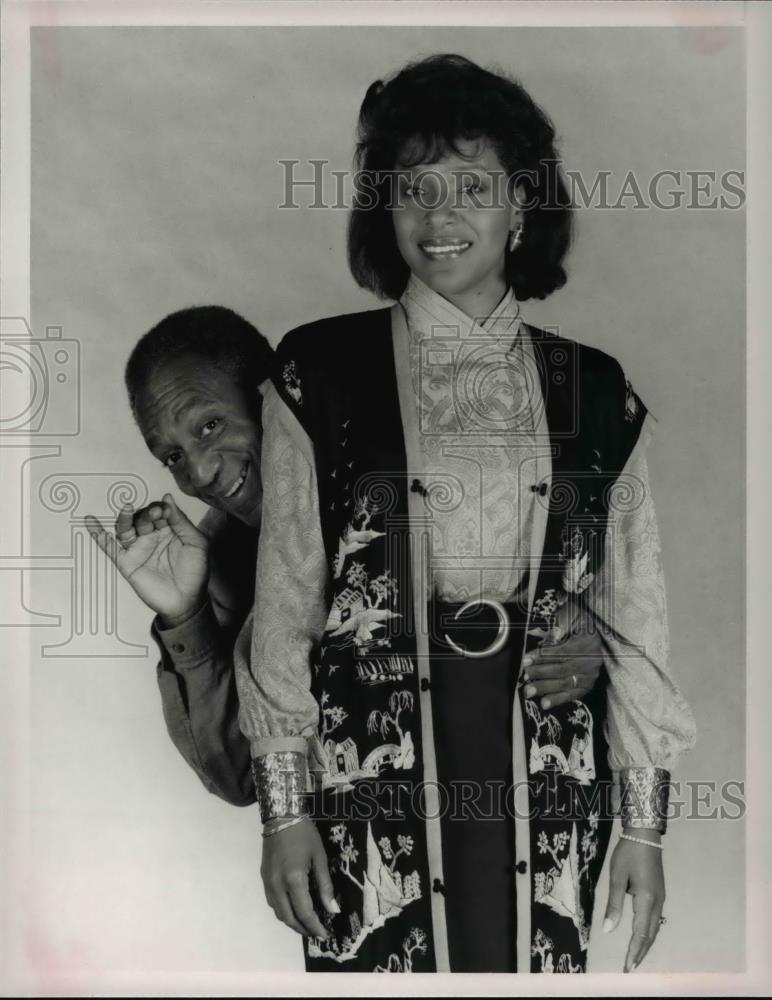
(567, 664)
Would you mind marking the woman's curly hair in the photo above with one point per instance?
(423, 112)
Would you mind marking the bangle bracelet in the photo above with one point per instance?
(640, 840)
(284, 826)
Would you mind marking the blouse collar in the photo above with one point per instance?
(426, 309)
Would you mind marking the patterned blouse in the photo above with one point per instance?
(476, 398)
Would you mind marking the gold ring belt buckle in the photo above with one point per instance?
(498, 643)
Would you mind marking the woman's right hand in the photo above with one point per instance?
(289, 857)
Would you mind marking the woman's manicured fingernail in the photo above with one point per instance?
(527, 661)
(335, 906)
(545, 703)
(526, 675)
(530, 691)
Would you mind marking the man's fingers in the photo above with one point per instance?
(149, 518)
(555, 664)
(174, 516)
(643, 904)
(554, 700)
(324, 882)
(177, 519)
(105, 541)
(124, 523)
(554, 693)
(573, 682)
(303, 907)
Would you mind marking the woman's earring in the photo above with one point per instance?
(516, 237)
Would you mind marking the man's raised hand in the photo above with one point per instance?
(162, 554)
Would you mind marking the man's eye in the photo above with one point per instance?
(413, 190)
(209, 426)
(171, 460)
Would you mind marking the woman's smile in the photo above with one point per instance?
(453, 227)
(442, 248)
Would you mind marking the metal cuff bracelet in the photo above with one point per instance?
(281, 784)
(644, 796)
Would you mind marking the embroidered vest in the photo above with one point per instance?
(338, 378)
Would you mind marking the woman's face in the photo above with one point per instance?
(452, 221)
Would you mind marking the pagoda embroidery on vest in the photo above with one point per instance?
(356, 612)
(343, 765)
(385, 891)
(579, 761)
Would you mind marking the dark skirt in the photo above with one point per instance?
(472, 714)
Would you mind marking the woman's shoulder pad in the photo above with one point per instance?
(592, 361)
(312, 341)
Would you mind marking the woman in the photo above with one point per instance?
(427, 460)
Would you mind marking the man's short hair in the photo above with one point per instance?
(215, 335)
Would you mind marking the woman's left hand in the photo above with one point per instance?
(563, 671)
(637, 869)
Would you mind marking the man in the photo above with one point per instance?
(195, 386)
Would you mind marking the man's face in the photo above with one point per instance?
(202, 425)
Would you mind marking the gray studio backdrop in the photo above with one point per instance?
(155, 185)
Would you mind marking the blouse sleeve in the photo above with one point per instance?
(649, 722)
(278, 710)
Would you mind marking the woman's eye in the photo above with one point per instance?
(171, 460)
(209, 426)
(413, 190)
(472, 187)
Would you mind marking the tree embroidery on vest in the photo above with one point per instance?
(559, 886)
(343, 764)
(544, 947)
(385, 891)
(415, 941)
